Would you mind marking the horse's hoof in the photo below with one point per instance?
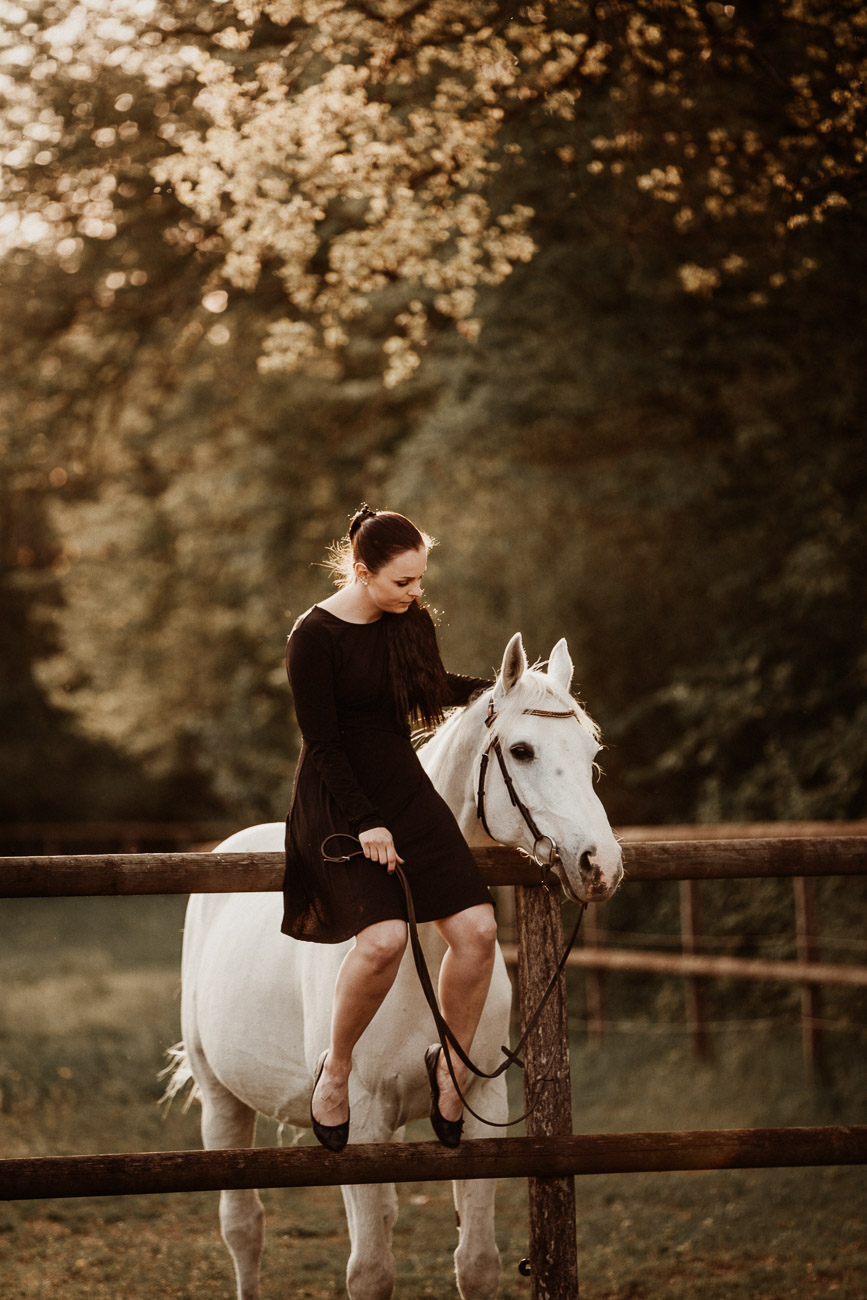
(447, 1130)
(333, 1137)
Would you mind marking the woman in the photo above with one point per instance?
(362, 664)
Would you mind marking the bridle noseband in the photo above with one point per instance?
(539, 837)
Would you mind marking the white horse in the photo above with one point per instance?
(256, 1006)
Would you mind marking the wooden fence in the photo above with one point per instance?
(692, 964)
(550, 1155)
(597, 956)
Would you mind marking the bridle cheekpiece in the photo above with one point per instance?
(547, 863)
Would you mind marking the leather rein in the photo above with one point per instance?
(446, 1037)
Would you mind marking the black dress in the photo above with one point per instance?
(358, 770)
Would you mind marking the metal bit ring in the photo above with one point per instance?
(553, 855)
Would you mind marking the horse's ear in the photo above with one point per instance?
(560, 666)
(513, 667)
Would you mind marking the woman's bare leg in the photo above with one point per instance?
(367, 973)
(465, 976)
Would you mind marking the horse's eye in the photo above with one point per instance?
(522, 752)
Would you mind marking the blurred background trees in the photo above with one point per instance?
(579, 286)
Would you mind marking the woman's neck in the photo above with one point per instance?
(353, 604)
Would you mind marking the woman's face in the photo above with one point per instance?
(397, 584)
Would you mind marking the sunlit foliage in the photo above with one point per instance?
(356, 150)
(260, 260)
(326, 162)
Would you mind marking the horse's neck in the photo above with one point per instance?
(448, 760)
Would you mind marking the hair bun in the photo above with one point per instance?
(363, 513)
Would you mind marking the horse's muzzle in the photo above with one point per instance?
(595, 882)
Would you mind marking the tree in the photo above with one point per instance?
(98, 277)
(357, 162)
(225, 228)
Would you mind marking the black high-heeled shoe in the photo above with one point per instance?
(333, 1137)
(447, 1130)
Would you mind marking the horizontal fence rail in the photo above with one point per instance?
(561, 1156)
(742, 831)
(208, 873)
(697, 964)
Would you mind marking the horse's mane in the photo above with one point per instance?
(537, 689)
(534, 690)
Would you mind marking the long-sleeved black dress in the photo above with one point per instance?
(357, 770)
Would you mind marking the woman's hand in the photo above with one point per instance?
(378, 845)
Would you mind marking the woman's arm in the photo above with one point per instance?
(464, 688)
(311, 669)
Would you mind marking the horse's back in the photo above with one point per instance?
(203, 910)
(235, 966)
(266, 837)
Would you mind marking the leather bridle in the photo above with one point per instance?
(545, 864)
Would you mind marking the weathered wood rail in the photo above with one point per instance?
(566, 1157)
(68, 876)
(700, 965)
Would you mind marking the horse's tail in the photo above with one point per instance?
(178, 1074)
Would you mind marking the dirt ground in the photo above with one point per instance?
(90, 1002)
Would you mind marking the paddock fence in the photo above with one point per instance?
(693, 964)
(550, 1156)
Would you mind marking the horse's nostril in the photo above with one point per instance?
(592, 873)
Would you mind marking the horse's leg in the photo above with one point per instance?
(228, 1122)
(371, 1212)
(477, 1259)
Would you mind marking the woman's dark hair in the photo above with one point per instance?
(418, 679)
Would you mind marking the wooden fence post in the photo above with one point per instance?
(806, 917)
(553, 1247)
(508, 937)
(689, 928)
(594, 937)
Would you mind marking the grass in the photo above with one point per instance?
(91, 1002)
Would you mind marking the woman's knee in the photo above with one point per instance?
(383, 944)
(477, 931)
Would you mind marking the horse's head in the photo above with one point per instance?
(534, 775)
